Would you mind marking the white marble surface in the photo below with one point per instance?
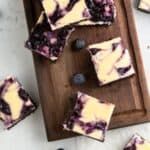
(16, 60)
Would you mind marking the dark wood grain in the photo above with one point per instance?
(130, 95)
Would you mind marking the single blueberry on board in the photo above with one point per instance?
(78, 44)
(79, 79)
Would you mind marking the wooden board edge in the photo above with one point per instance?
(29, 16)
(137, 53)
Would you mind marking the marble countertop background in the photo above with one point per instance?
(16, 60)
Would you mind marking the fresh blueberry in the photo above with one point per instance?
(79, 79)
(60, 149)
(78, 44)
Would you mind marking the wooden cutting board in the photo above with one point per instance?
(130, 95)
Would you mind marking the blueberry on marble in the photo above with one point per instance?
(79, 79)
(78, 44)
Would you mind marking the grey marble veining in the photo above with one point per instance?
(16, 60)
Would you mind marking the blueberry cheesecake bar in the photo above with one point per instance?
(65, 12)
(15, 103)
(111, 60)
(137, 143)
(90, 117)
(46, 42)
(144, 5)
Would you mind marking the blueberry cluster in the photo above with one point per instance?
(101, 10)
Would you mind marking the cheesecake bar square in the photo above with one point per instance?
(137, 143)
(90, 117)
(144, 5)
(111, 61)
(65, 12)
(15, 102)
(46, 42)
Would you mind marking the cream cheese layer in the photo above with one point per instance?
(145, 5)
(111, 60)
(90, 117)
(81, 12)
